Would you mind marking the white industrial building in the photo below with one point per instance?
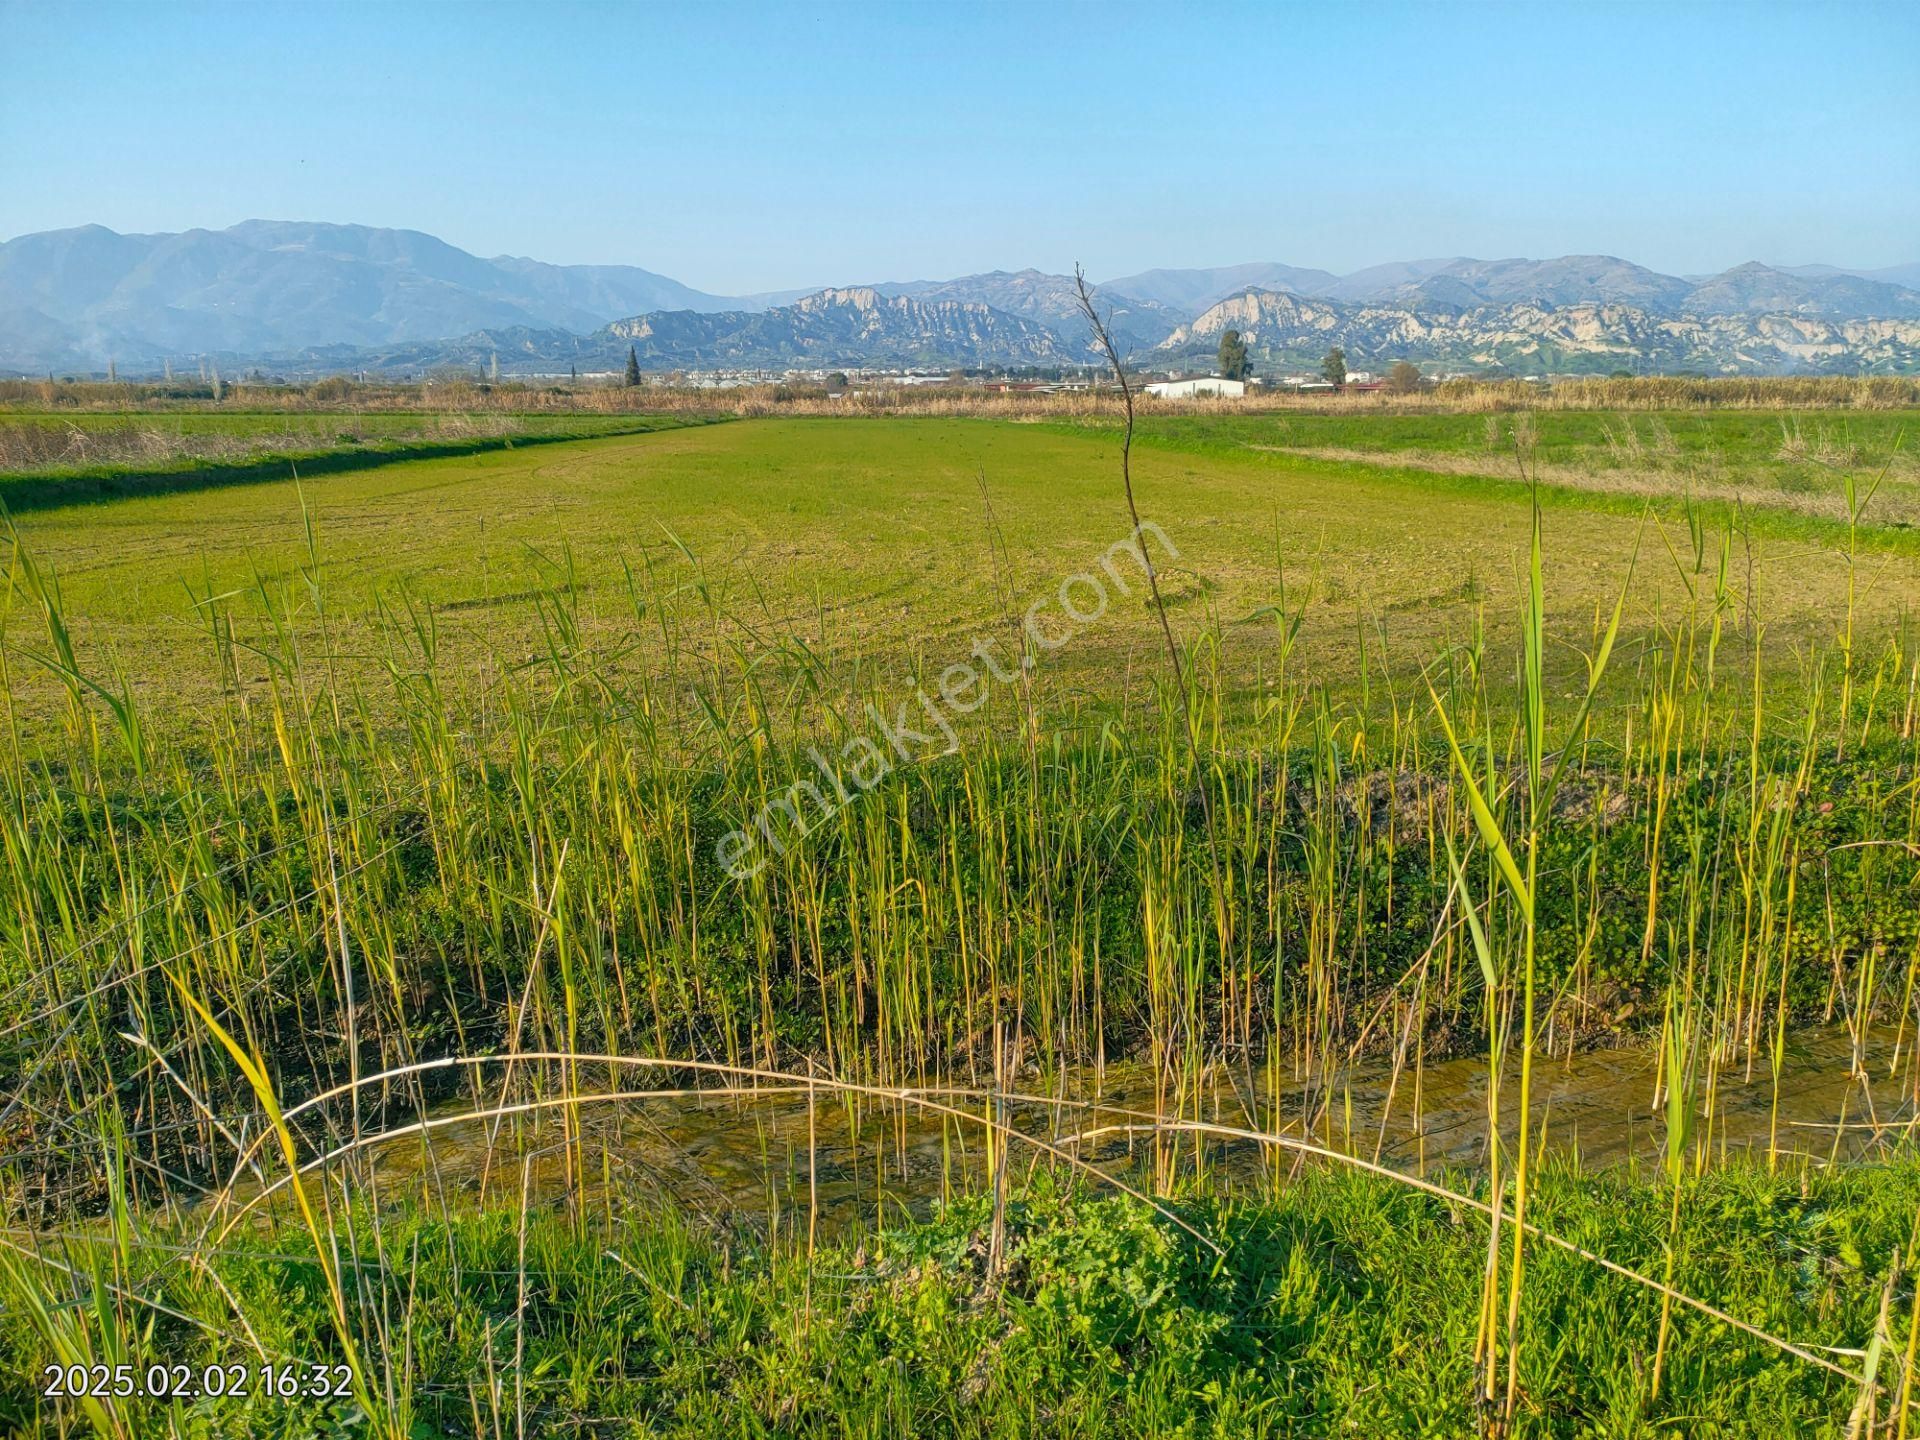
(1206, 385)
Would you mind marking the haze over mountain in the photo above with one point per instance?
(847, 327)
(1906, 275)
(1194, 290)
(79, 297)
(1054, 300)
(1755, 289)
(307, 296)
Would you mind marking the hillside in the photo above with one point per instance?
(89, 294)
(1532, 338)
(853, 327)
(303, 297)
(1054, 301)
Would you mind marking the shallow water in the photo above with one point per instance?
(776, 1159)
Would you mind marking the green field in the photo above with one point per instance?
(1762, 447)
(1344, 1307)
(52, 458)
(873, 540)
(842, 764)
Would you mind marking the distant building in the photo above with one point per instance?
(1206, 385)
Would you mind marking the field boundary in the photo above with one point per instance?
(1760, 517)
(28, 492)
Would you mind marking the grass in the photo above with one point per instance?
(49, 460)
(1782, 466)
(420, 792)
(870, 540)
(1768, 448)
(1340, 1306)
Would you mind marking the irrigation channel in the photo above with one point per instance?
(778, 1154)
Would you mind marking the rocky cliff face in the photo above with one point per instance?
(1462, 284)
(306, 297)
(1536, 338)
(1054, 301)
(851, 327)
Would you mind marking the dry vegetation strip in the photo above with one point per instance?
(799, 397)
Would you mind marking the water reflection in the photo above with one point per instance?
(777, 1157)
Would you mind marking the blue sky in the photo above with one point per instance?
(748, 147)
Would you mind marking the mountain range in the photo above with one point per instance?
(310, 297)
(1585, 337)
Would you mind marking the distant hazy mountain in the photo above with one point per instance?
(1054, 301)
(1293, 331)
(1018, 292)
(1906, 276)
(1569, 280)
(1192, 291)
(264, 286)
(852, 327)
(309, 296)
(862, 327)
(1450, 282)
(1461, 283)
(1903, 275)
(31, 339)
(1754, 289)
(1381, 279)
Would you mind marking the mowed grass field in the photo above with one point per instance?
(877, 539)
(53, 457)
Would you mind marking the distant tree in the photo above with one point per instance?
(1233, 356)
(1621, 375)
(633, 367)
(1333, 369)
(493, 368)
(837, 382)
(573, 374)
(1404, 378)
